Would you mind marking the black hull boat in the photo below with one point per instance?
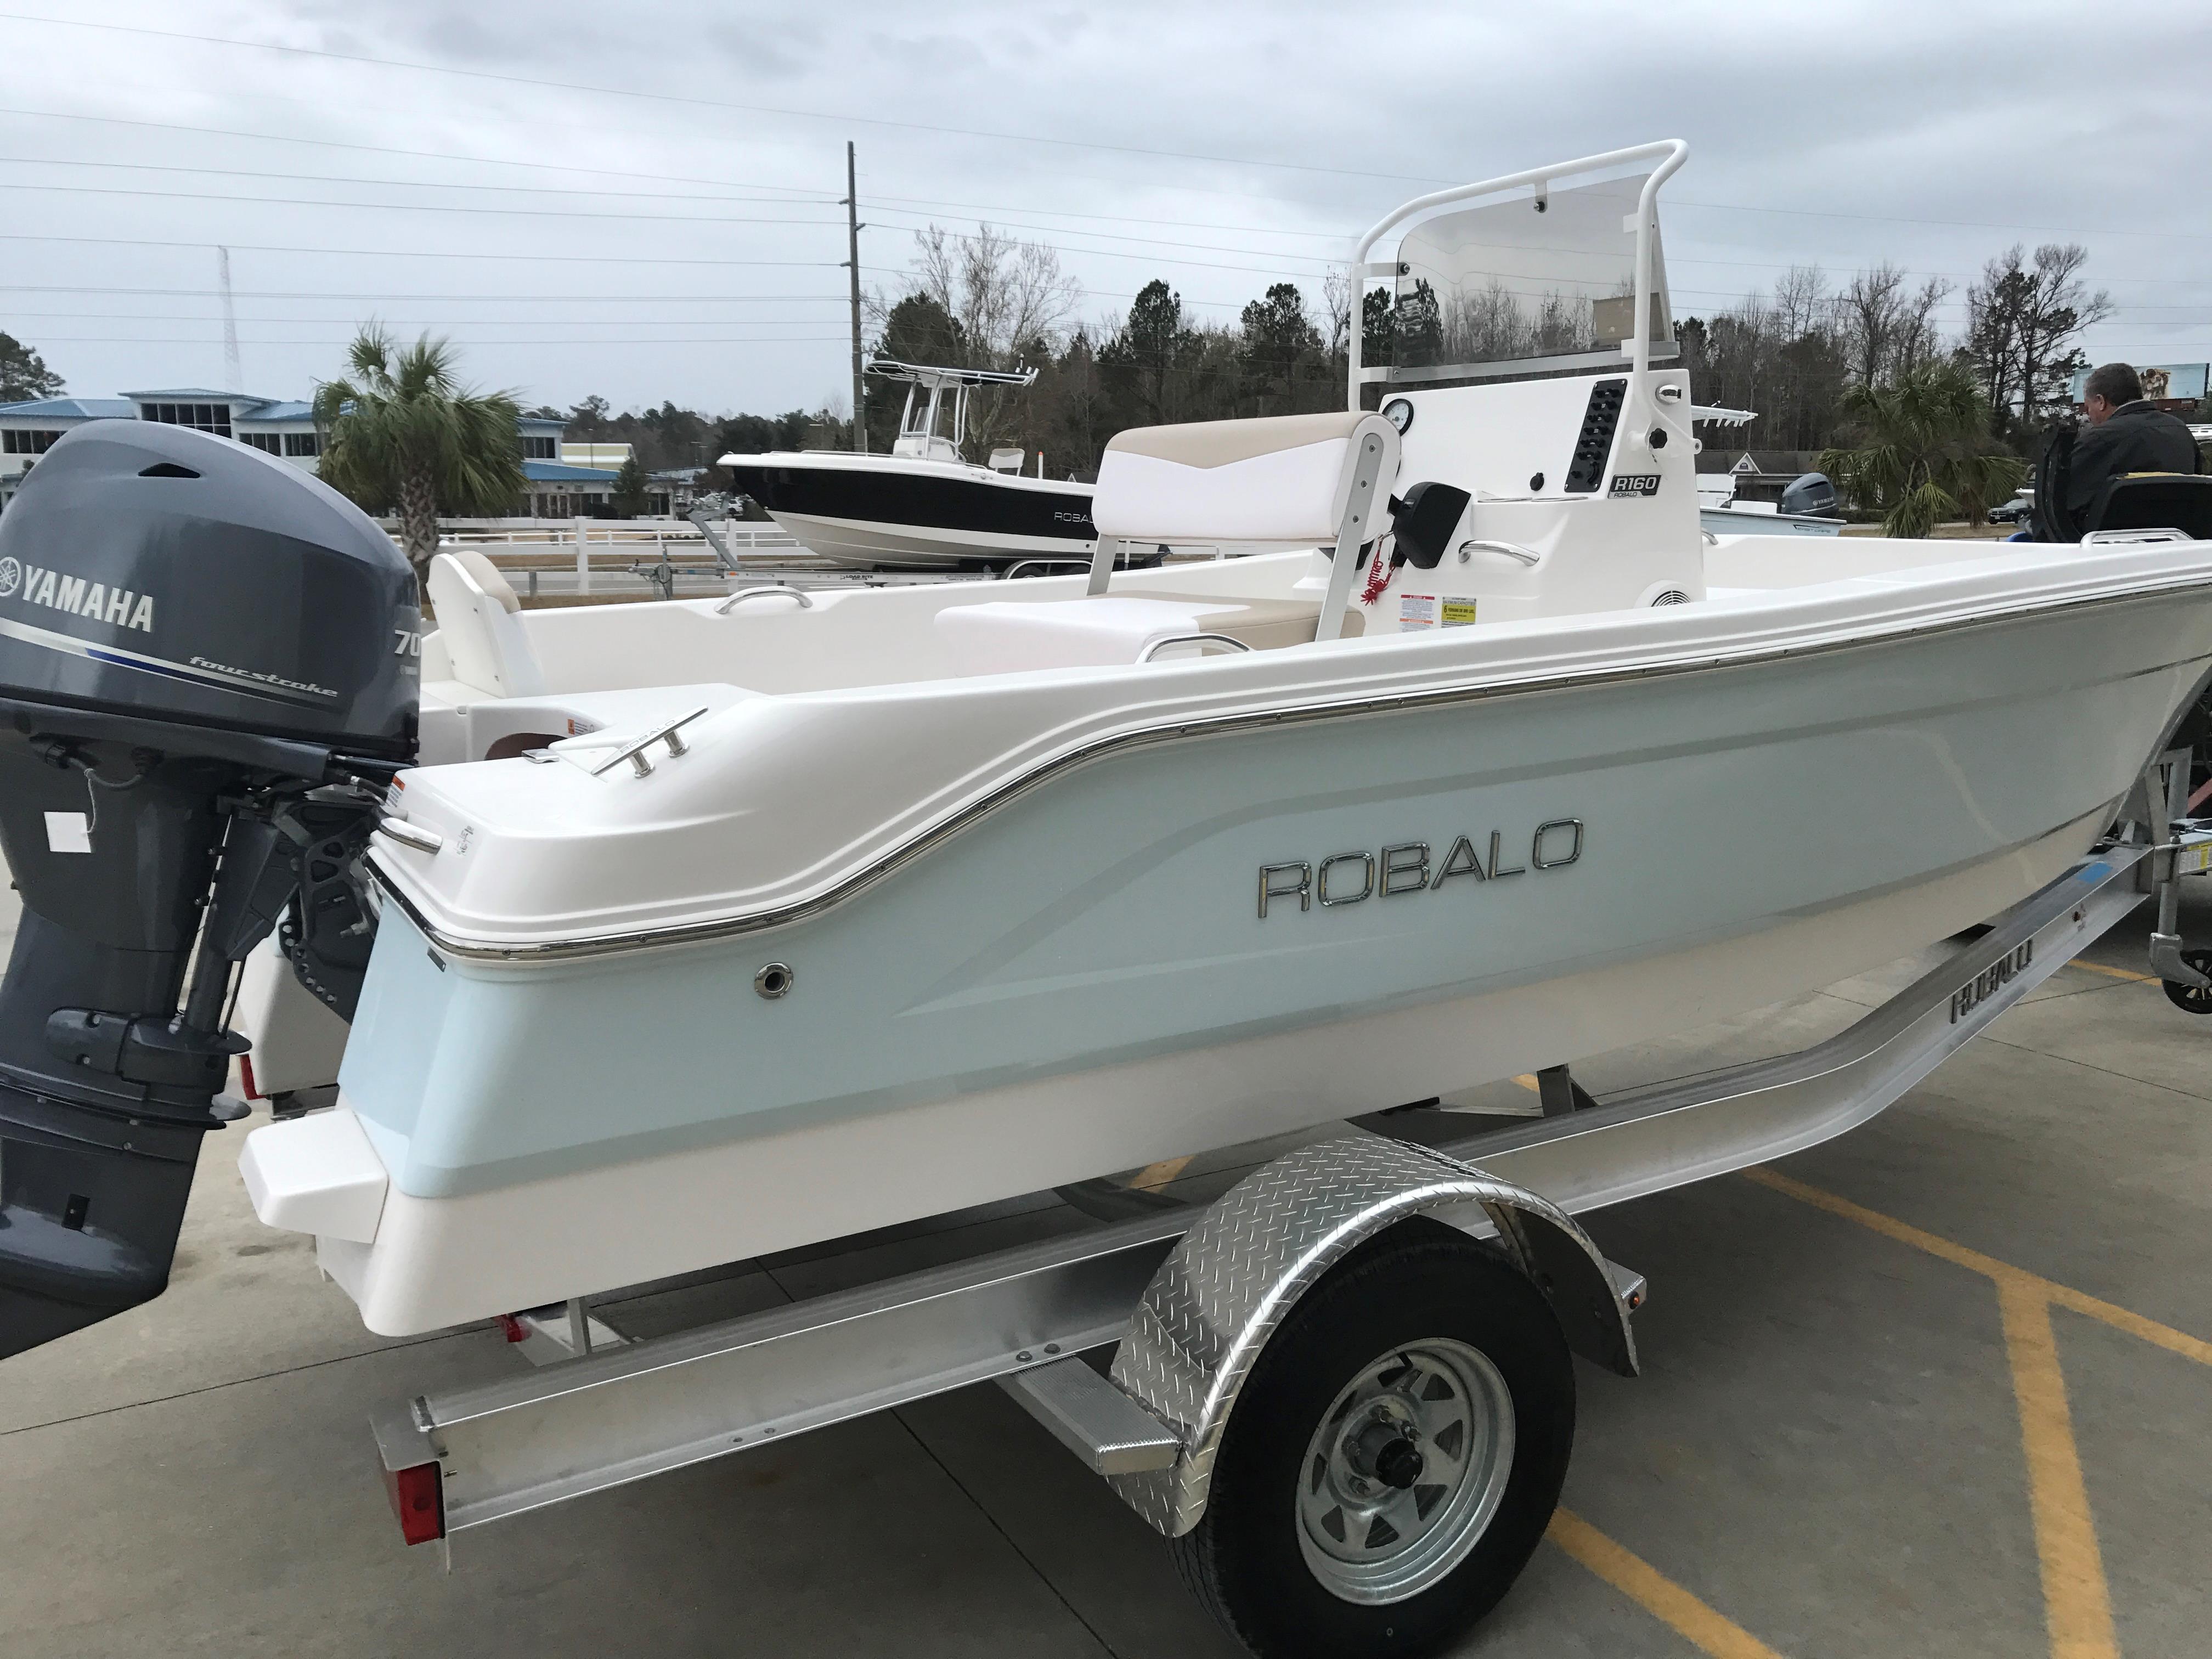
(896, 513)
(923, 507)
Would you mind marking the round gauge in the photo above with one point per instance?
(1399, 411)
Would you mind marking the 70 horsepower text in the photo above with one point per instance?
(1410, 866)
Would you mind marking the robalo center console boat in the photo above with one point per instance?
(925, 506)
(704, 930)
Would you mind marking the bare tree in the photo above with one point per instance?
(1007, 300)
(1919, 340)
(1005, 294)
(1867, 313)
(1889, 327)
(1802, 300)
(2025, 320)
(1336, 295)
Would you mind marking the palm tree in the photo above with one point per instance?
(401, 431)
(1924, 453)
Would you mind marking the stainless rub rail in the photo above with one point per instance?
(467, 948)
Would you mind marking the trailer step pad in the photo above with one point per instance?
(1093, 1418)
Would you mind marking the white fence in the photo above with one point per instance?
(655, 551)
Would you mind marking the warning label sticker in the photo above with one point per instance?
(1416, 611)
(1458, 613)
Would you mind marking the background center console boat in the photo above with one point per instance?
(923, 507)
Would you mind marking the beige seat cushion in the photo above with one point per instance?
(488, 576)
(1263, 624)
(1111, 630)
(480, 626)
(1284, 478)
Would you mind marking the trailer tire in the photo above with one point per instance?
(1461, 1321)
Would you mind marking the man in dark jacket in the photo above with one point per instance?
(2124, 434)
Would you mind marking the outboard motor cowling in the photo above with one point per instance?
(207, 673)
(1809, 492)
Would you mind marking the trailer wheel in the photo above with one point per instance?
(2192, 999)
(1394, 1458)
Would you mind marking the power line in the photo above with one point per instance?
(410, 207)
(609, 258)
(401, 252)
(419, 154)
(829, 200)
(409, 299)
(1678, 258)
(974, 132)
(1165, 259)
(194, 339)
(405, 184)
(662, 178)
(1672, 259)
(1110, 218)
(730, 105)
(431, 322)
(1940, 224)
(505, 161)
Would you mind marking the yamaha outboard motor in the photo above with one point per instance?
(207, 675)
(1809, 492)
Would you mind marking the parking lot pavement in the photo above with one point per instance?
(1941, 1387)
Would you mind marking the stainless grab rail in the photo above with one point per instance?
(422, 841)
(744, 593)
(1510, 549)
(1146, 655)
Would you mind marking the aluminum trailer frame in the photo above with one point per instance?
(464, 1457)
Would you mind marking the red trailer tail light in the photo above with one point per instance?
(246, 1076)
(418, 1499)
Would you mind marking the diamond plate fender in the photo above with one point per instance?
(1236, 1275)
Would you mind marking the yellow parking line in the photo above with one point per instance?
(2076, 1604)
(2077, 1600)
(1656, 1594)
(2116, 973)
(2164, 1336)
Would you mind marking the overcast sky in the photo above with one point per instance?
(640, 201)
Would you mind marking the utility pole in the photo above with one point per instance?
(853, 264)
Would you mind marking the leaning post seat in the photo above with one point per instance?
(477, 617)
(1322, 478)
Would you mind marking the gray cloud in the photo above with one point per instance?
(1862, 131)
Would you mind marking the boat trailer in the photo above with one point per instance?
(1186, 1297)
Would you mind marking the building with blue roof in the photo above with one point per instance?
(281, 427)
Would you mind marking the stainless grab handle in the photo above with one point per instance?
(1510, 549)
(2124, 538)
(1146, 655)
(744, 593)
(407, 834)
